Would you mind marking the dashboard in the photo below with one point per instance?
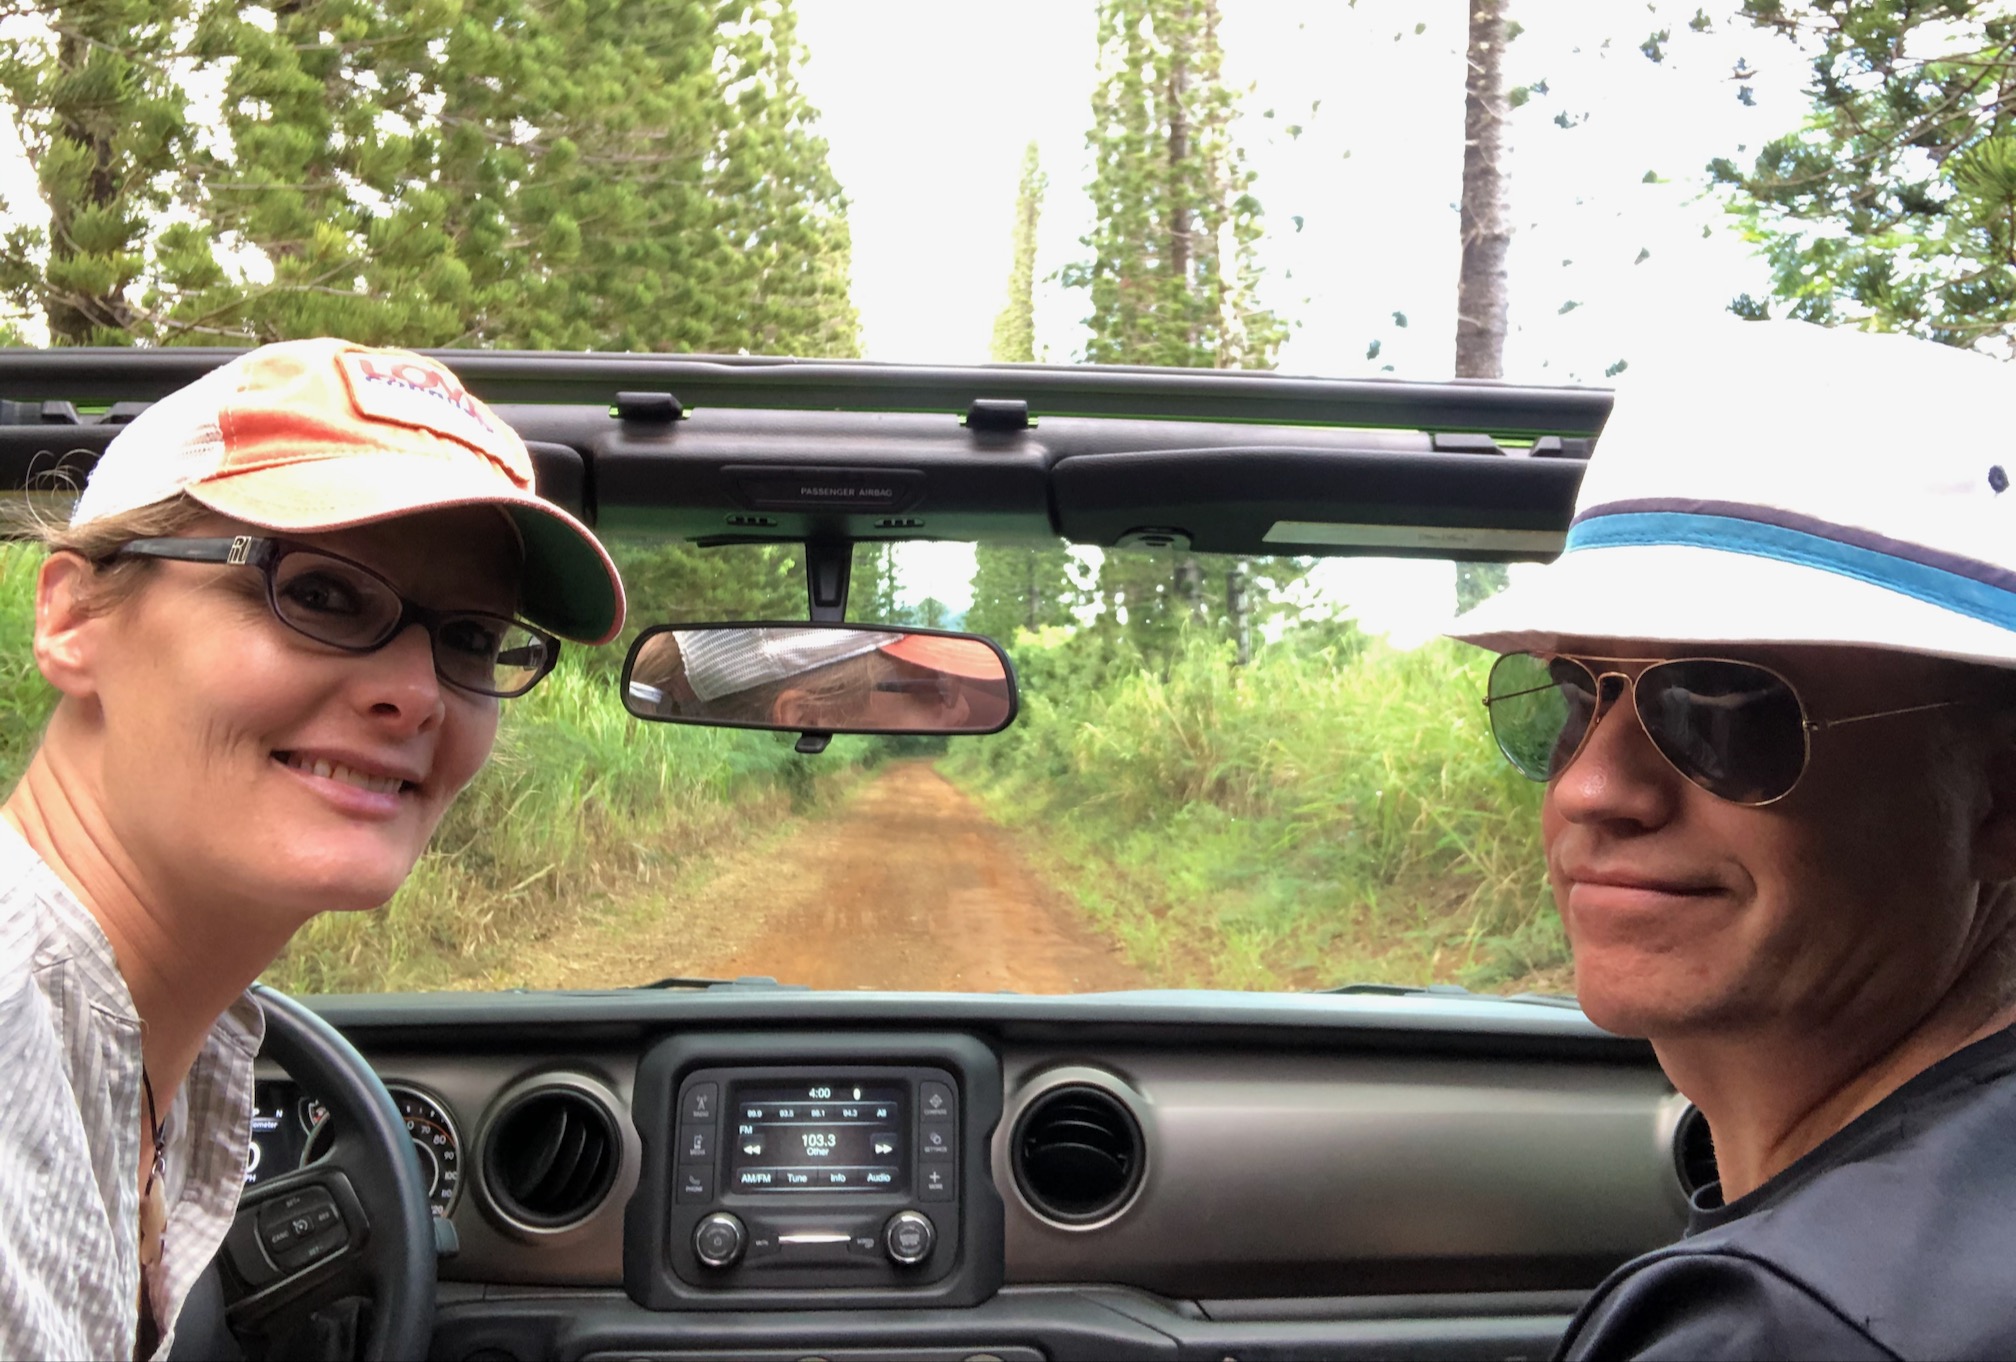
(919, 1177)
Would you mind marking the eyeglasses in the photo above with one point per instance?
(346, 605)
(1735, 729)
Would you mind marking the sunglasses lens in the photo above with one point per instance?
(1735, 730)
(1540, 711)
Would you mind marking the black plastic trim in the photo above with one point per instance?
(1083, 1324)
(97, 374)
(1477, 1026)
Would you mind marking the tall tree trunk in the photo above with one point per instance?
(1480, 288)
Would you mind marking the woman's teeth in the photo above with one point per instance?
(330, 770)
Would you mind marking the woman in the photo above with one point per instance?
(279, 623)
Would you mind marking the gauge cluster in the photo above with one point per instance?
(291, 1129)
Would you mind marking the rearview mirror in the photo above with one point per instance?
(820, 678)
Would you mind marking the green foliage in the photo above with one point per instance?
(1017, 587)
(104, 125)
(1015, 329)
(1335, 810)
(1170, 192)
(504, 173)
(25, 698)
(1895, 204)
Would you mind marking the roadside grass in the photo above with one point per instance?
(1334, 812)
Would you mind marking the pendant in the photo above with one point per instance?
(153, 1222)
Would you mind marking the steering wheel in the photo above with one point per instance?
(354, 1223)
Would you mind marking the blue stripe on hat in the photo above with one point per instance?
(1960, 592)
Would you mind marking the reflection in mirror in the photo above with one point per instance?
(831, 678)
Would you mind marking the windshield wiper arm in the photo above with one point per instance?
(746, 981)
(1452, 991)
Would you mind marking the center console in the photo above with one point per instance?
(827, 1170)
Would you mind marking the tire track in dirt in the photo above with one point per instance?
(906, 885)
(918, 889)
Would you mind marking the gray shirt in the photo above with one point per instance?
(70, 1114)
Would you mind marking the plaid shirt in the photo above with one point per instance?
(70, 1132)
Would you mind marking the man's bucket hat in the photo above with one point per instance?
(1776, 482)
(311, 435)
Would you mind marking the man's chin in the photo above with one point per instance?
(1630, 1006)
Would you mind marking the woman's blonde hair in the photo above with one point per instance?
(113, 580)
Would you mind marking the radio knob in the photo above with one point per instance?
(718, 1240)
(908, 1237)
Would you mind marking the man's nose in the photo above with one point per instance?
(1618, 776)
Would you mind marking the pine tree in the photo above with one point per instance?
(572, 174)
(1481, 304)
(1021, 586)
(104, 125)
(1895, 203)
(1015, 328)
(1173, 273)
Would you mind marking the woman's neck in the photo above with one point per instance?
(182, 970)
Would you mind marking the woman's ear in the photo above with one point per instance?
(65, 632)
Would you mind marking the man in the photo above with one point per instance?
(1769, 684)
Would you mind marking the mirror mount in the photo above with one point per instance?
(811, 744)
(828, 566)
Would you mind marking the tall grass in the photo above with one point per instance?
(1333, 811)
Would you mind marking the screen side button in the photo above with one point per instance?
(696, 1144)
(937, 1182)
(696, 1183)
(703, 1102)
(934, 1140)
(935, 1101)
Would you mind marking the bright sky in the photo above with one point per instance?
(928, 104)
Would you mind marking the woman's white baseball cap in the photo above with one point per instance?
(1777, 482)
(322, 434)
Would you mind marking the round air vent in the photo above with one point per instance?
(1694, 1151)
(1077, 1154)
(550, 1157)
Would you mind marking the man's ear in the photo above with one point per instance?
(795, 709)
(65, 635)
(1995, 835)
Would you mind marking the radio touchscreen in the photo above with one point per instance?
(818, 1137)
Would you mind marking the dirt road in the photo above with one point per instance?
(908, 885)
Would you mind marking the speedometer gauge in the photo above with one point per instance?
(435, 1142)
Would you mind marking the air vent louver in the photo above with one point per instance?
(550, 1158)
(1694, 1151)
(1077, 1154)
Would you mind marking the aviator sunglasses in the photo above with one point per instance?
(1736, 729)
(346, 605)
